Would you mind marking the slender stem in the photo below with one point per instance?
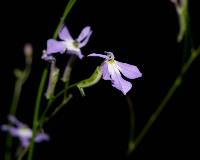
(18, 88)
(15, 101)
(188, 41)
(67, 10)
(132, 125)
(55, 35)
(170, 93)
(185, 41)
(22, 153)
(8, 147)
(67, 72)
(16, 96)
(36, 112)
(62, 92)
(44, 76)
(42, 118)
(43, 121)
(59, 107)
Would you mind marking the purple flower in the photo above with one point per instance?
(112, 69)
(23, 132)
(68, 43)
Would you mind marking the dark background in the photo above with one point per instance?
(142, 33)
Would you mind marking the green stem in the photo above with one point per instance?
(59, 107)
(67, 72)
(132, 125)
(67, 10)
(13, 109)
(22, 153)
(66, 97)
(188, 41)
(8, 147)
(44, 76)
(43, 121)
(42, 118)
(170, 93)
(18, 88)
(55, 35)
(36, 112)
(62, 92)
(15, 101)
(16, 96)
(185, 41)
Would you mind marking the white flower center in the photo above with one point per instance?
(25, 132)
(72, 45)
(112, 67)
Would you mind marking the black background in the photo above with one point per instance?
(142, 33)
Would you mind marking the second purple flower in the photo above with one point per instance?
(68, 44)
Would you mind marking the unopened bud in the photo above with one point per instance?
(28, 49)
(53, 78)
(28, 52)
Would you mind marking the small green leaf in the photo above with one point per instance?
(92, 80)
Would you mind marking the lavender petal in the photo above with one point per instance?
(41, 137)
(12, 119)
(129, 71)
(24, 142)
(84, 33)
(64, 33)
(98, 55)
(54, 46)
(117, 81)
(85, 41)
(105, 72)
(12, 130)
